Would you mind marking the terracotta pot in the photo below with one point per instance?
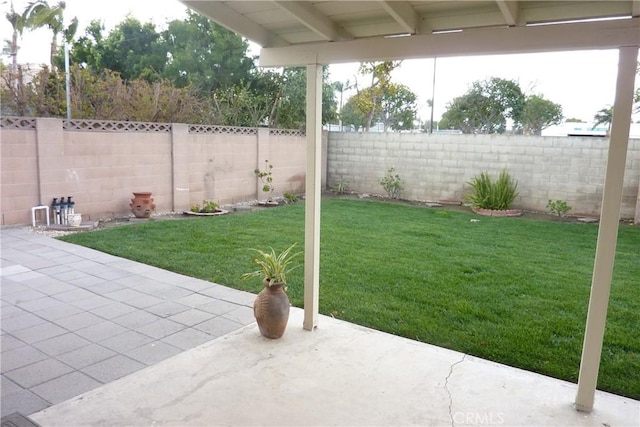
(271, 309)
(142, 205)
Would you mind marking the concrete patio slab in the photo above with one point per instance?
(74, 318)
(340, 374)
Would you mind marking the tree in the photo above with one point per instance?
(290, 100)
(205, 55)
(603, 117)
(132, 49)
(88, 48)
(466, 114)
(135, 50)
(191, 52)
(39, 94)
(486, 107)
(369, 100)
(539, 114)
(239, 106)
(398, 107)
(17, 25)
(392, 104)
(351, 114)
(201, 57)
(39, 14)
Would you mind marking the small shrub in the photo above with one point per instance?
(392, 184)
(290, 197)
(208, 206)
(341, 186)
(498, 195)
(558, 207)
(267, 179)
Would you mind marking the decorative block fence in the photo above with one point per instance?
(437, 167)
(101, 163)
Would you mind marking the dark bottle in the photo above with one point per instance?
(55, 209)
(63, 211)
(71, 206)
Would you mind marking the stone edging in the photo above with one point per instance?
(492, 212)
(217, 212)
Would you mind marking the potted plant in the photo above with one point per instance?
(271, 307)
(493, 198)
(208, 208)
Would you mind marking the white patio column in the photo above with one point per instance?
(608, 231)
(312, 201)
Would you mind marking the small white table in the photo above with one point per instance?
(37, 208)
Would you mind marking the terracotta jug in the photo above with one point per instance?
(271, 309)
(142, 204)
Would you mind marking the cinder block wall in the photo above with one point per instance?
(102, 163)
(437, 167)
(18, 174)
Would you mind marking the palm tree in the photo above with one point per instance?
(40, 14)
(603, 117)
(17, 23)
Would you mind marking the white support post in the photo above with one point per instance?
(608, 231)
(312, 200)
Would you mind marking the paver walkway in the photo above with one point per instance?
(74, 318)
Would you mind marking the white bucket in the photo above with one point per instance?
(74, 220)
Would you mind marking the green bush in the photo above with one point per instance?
(392, 184)
(341, 186)
(208, 206)
(558, 207)
(498, 195)
(290, 197)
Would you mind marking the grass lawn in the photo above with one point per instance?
(512, 290)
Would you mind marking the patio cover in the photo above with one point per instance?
(317, 33)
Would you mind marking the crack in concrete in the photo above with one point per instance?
(446, 387)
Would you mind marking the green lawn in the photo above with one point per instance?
(512, 290)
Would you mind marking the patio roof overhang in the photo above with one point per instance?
(317, 33)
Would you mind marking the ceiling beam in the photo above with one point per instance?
(489, 41)
(233, 21)
(311, 18)
(403, 14)
(509, 10)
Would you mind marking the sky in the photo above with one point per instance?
(582, 82)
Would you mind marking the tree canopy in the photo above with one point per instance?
(539, 114)
(486, 107)
(603, 117)
(205, 55)
(39, 14)
(392, 104)
(489, 104)
(193, 61)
